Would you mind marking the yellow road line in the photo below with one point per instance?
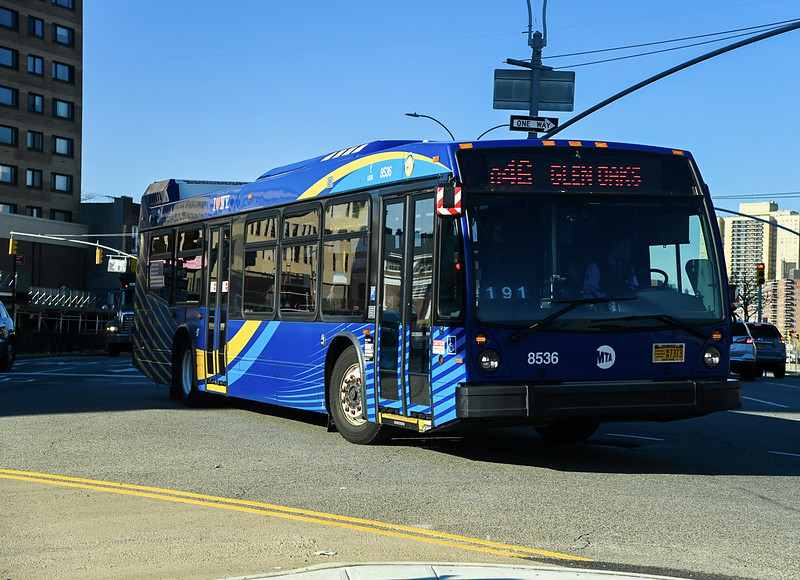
(375, 527)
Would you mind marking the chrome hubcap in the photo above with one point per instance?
(350, 396)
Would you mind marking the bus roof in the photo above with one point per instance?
(373, 164)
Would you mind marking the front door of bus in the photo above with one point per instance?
(217, 309)
(406, 306)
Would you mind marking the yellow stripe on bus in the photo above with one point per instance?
(349, 168)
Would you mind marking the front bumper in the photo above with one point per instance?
(590, 401)
(118, 338)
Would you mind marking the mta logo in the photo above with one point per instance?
(606, 357)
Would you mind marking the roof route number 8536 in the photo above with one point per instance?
(542, 358)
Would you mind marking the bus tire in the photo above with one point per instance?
(562, 433)
(184, 381)
(7, 361)
(345, 393)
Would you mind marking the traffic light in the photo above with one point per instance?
(760, 274)
(98, 255)
(12, 246)
(790, 332)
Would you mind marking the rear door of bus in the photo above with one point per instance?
(216, 318)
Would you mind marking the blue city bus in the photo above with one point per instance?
(424, 285)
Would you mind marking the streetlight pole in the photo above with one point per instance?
(434, 120)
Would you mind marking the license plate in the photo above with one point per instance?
(667, 353)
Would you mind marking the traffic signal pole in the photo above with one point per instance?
(14, 289)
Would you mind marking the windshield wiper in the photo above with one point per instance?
(665, 318)
(571, 305)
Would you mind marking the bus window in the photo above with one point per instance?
(160, 273)
(259, 280)
(298, 278)
(344, 258)
(451, 278)
(189, 266)
(344, 276)
(299, 262)
(300, 225)
(346, 218)
(261, 230)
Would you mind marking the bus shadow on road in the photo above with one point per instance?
(726, 444)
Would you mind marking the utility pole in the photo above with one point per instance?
(536, 43)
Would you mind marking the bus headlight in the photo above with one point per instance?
(489, 360)
(711, 357)
(112, 327)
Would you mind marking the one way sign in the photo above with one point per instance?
(538, 124)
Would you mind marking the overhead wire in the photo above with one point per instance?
(729, 34)
(657, 42)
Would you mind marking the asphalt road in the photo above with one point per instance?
(102, 476)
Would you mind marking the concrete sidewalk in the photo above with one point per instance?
(422, 571)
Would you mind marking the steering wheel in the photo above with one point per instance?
(661, 273)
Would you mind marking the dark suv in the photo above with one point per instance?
(8, 350)
(770, 350)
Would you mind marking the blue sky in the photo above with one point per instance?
(225, 91)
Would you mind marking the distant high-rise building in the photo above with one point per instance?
(748, 242)
(41, 99)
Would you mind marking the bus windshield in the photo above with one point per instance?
(593, 262)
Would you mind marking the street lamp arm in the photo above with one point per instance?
(490, 130)
(434, 120)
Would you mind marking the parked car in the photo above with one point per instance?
(743, 352)
(770, 349)
(8, 350)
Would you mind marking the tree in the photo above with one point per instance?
(748, 294)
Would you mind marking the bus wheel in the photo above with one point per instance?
(567, 432)
(346, 391)
(8, 359)
(184, 384)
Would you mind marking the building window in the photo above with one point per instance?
(62, 146)
(8, 174)
(33, 178)
(61, 183)
(63, 109)
(60, 215)
(8, 135)
(63, 35)
(35, 103)
(8, 208)
(35, 141)
(8, 97)
(8, 18)
(33, 211)
(65, 3)
(8, 57)
(35, 27)
(35, 65)
(63, 72)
